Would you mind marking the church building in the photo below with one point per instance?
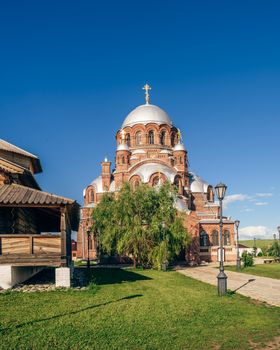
(149, 150)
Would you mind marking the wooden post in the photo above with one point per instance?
(63, 231)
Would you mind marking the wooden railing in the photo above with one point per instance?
(28, 244)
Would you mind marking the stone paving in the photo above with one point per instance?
(260, 288)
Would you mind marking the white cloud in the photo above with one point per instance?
(255, 199)
(248, 209)
(261, 203)
(250, 232)
(235, 198)
(264, 195)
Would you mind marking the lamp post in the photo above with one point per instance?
(238, 262)
(255, 247)
(222, 277)
(88, 238)
(278, 228)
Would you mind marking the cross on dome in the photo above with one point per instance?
(146, 87)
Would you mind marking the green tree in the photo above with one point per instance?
(274, 249)
(142, 224)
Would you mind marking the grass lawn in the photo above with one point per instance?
(265, 270)
(134, 309)
(260, 243)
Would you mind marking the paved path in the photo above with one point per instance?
(261, 288)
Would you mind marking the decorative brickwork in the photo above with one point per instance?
(149, 150)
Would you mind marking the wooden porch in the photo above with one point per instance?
(32, 250)
(38, 227)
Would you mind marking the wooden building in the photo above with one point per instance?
(35, 226)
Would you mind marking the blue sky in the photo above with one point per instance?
(71, 71)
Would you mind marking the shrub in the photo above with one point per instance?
(260, 254)
(248, 259)
(274, 250)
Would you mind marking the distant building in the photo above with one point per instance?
(74, 250)
(243, 248)
(150, 150)
(35, 226)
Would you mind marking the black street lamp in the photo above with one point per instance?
(278, 228)
(88, 238)
(222, 277)
(238, 261)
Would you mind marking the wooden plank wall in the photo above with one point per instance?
(26, 221)
(18, 245)
(5, 220)
(18, 220)
(47, 245)
(31, 245)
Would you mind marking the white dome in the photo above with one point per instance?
(179, 147)
(122, 147)
(197, 184)
(98, 185)
(145, 114)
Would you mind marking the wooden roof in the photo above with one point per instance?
(18, 195)
(8, 147)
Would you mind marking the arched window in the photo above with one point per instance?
(181, 160)
(136, 184)
(215, 237)
(138, 138)
(204, 240)
(162, 138)
(91, 196)
(226, 237)
(173, 139)
(127, 139)
(90, 242)
(151, 138)
(123, 160)
(155, 181)
(178, 184)
(210, 195)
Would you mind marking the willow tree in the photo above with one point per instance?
(142, 224)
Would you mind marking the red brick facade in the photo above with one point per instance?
(149, 150)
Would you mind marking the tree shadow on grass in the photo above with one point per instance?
(101, 276)
(34, 322)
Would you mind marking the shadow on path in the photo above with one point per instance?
(243, 285)
(4, 330)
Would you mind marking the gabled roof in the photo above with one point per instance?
(243, 246)
(8, 147)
